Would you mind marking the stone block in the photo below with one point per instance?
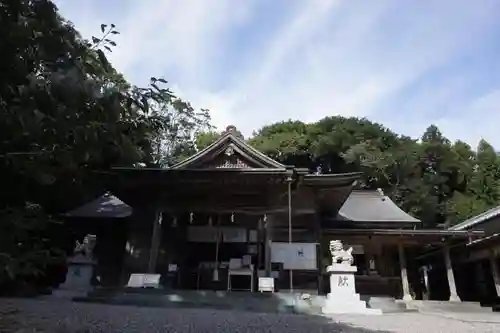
(343, 298)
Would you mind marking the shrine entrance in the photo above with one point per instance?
(221, 211)
(216, 246)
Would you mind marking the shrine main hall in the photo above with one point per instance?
(229, 215)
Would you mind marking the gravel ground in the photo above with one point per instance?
(52, 316)
(24, 316)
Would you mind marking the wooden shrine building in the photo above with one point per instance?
(230, 201)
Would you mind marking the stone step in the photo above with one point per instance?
(386, 304)
(244, 301)
(445, 306)
(350, 307)
(258, 302)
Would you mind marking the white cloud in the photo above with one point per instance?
(159, 36)
(480, 120)
(322, 57)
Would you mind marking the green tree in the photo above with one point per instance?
(64, 113)
(482, 180)
(287, 142)
(205, 139)
(440, 174)
(434, 180)
(485, 180)
(182, 125)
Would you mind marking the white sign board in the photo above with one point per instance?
(144, 281)
(296, 256)
(266, 284)
(136, 281)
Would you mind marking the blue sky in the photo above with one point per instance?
(406, 64)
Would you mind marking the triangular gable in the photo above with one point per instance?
(229, 151)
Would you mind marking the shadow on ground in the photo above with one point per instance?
(73, 317)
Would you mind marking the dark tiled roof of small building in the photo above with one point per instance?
(105, 206)
(373, 206)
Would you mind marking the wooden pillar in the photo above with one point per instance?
(155, 242)
(404, 274)
(260, 239)
(319, 259)
(451, 276)
(290, 225)
(480, 279)
(425, 272)
(367, 256)
(267, 244)
(495, 273)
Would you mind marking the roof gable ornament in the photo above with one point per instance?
(381, 193)
(230, 129)
(229, 150)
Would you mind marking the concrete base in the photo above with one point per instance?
(347, 304)
(343, 298)
(78, 277)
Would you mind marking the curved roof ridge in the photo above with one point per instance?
(230, 134)
(201, 152)
(257, 152)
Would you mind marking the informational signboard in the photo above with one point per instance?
(144, 281)
(208, 234)
(266, 284)
(295, 256)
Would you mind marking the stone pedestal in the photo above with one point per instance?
(78, 277)
(343, 298)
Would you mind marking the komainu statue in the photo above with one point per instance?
(86, 248)
(339, 255)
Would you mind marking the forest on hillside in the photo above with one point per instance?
(67, 113)
(439, 181)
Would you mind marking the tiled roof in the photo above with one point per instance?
(373, 206)
(106, 206)
(478, 219)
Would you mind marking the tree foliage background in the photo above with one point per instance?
(66, 112)
(438, 181)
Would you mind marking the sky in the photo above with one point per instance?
(405, 64)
